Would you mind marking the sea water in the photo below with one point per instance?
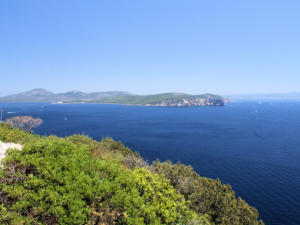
(253, 146)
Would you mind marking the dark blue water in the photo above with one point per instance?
(254, 147)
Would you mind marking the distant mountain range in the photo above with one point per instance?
(117, 97)
(42, 95)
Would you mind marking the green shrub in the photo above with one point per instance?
(47, 182)
(163, 205)
(53, 181)
(9, 134)
(206, 195)
(111, 145)
(77, 180)
(109, 149)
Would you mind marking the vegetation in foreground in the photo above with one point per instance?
(77, 180)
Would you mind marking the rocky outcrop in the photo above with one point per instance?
(5, 146)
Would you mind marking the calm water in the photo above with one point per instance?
(254, 147)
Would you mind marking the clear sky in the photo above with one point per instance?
(150, 46)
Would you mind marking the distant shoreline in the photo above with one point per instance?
(145, 105)
(117, 97)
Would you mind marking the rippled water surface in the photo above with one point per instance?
(253, 146)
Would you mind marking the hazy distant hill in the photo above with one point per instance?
(117, 97)
(42, 95)
(271, 96)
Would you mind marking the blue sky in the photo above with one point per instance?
(150, 46)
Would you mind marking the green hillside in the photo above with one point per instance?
(77, 180)
(155, 99)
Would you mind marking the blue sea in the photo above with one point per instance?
(253, 146)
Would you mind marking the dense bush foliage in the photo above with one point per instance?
(109, 149)
(53, 181)
(206, 195)
(77, 180)
(9, 134)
